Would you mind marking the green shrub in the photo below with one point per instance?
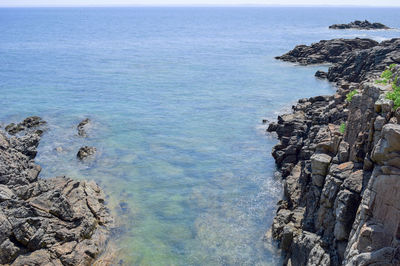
(386, 75)
(350, 95)
(342, 128)
(381, 81)
(394, 96)
(395, 82)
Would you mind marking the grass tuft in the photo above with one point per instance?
(342, 128)
(350, 95)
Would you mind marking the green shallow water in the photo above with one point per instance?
(176, 97)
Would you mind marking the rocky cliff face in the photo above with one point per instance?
(340, 160)
(56, 221)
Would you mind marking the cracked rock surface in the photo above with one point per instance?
(56, 221)
(340, 161)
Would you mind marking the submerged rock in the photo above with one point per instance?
(56, 221)
(360, 25)
(81, 127)
(85, 152)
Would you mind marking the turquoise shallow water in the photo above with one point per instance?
(176, 96)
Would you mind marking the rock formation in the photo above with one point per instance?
(57, 221)
(31, 122)
(82, 127)
(85, 152)
(360, 25)
(352, 59)
(331, 51)
(339, 157)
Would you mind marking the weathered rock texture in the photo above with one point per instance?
(56, 221)
(360, 25)
(342, 189)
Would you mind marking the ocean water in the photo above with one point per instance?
(176, 97)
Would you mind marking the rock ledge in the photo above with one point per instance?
(57, 221)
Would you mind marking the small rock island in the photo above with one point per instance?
(360, 25)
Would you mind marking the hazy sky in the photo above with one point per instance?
(196, 2)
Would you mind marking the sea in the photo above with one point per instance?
(176, 97)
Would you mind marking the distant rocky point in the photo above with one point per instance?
(360, 25)
(326, 51)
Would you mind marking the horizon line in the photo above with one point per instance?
(194, 5)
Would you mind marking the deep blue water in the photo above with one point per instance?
(176, 96)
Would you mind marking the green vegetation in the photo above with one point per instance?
(342, 128)
(394, 96)
(386, 77)
(350, 95)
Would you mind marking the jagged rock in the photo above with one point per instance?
(332, 51)
(28, 123)
(378, 219)
(343, 152)
(281, 219)
(321, 74)
(357, 66)
(384, 151)
(355, 181)
(361, 168)
(379, 123)
(353, 59)
(56, 221)
(85, 152)
(319, 167)
(306, 250)
(346, 205)
(341, 171)
(360, 25)
(286, 238)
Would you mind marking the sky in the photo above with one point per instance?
(24, 3)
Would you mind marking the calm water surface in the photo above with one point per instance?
(176, 96)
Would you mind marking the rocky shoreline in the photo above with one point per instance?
(56, 221)
(339, 157)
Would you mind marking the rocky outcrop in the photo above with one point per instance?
(352, 59)
(85, 152)
(339, 159)
(331, 51)
(369, 62)
(57, 221)
(375, 234)
(29, 123)
(360, 25)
